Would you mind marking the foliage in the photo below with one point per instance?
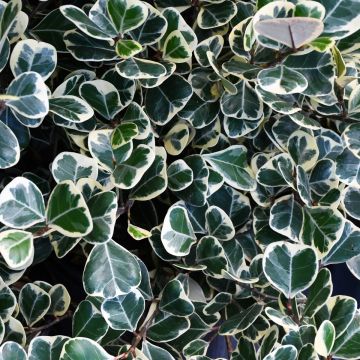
(197, 163)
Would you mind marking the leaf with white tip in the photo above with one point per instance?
(83, 349)
(219, 224)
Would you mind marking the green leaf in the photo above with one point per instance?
(244, 104)
(60, 300)
(286, 217)
(135, 68)
(319, 293)
(88, 322)
(12, 350)
(73, 166)
(123, 312)
(154, 180)
(32, 55)
(85, 48)
(34, 303)
(351, 199)
(269, 341)
(9, 147)
(162, 103)
(27, 95)
(46, 347)
(210, 252)
(214, 44)
(347, 345)
(218, 302)
(137, 233)
(322, 228)
(101, 149)
(180, 175)
(83, 349)
(286, 352)
(17, 249)
(339, 10)
(127, 15)
(346, 247)
(174, 299)
(282, 262)
(177, 234)
(281, 319)
(67, 211)
(314, 65)
(129, 173)
(231, 163)
(167, 327)
(103, 208)
(325, 338)
(176, 48)
(153, 352)
(282, 80)
(303, 149)
(351, 136)
(79, 18)
(196, 193)
(218, 224)
(348, 168)
(71, 108)
(22, 204)
(342, 311)
(217, 14)
(241, 321)
(128, 48)
(8, 302)
(102, 96)
(104, 275)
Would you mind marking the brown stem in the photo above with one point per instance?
(31, 330)
(229, 345)
(138, 336)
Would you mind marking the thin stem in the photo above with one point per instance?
(50, 324)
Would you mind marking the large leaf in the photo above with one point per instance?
(110, 271)
(282, 262)
(83, 349)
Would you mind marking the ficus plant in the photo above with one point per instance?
(177, 170)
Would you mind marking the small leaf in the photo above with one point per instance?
(174, 300)
(83, 349)
(177, 234)
(128, 48)
(123, 312)
(34, 303)
(22, 204)
(67, 211)
(325, 338)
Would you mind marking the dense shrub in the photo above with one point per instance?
(176, 170)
